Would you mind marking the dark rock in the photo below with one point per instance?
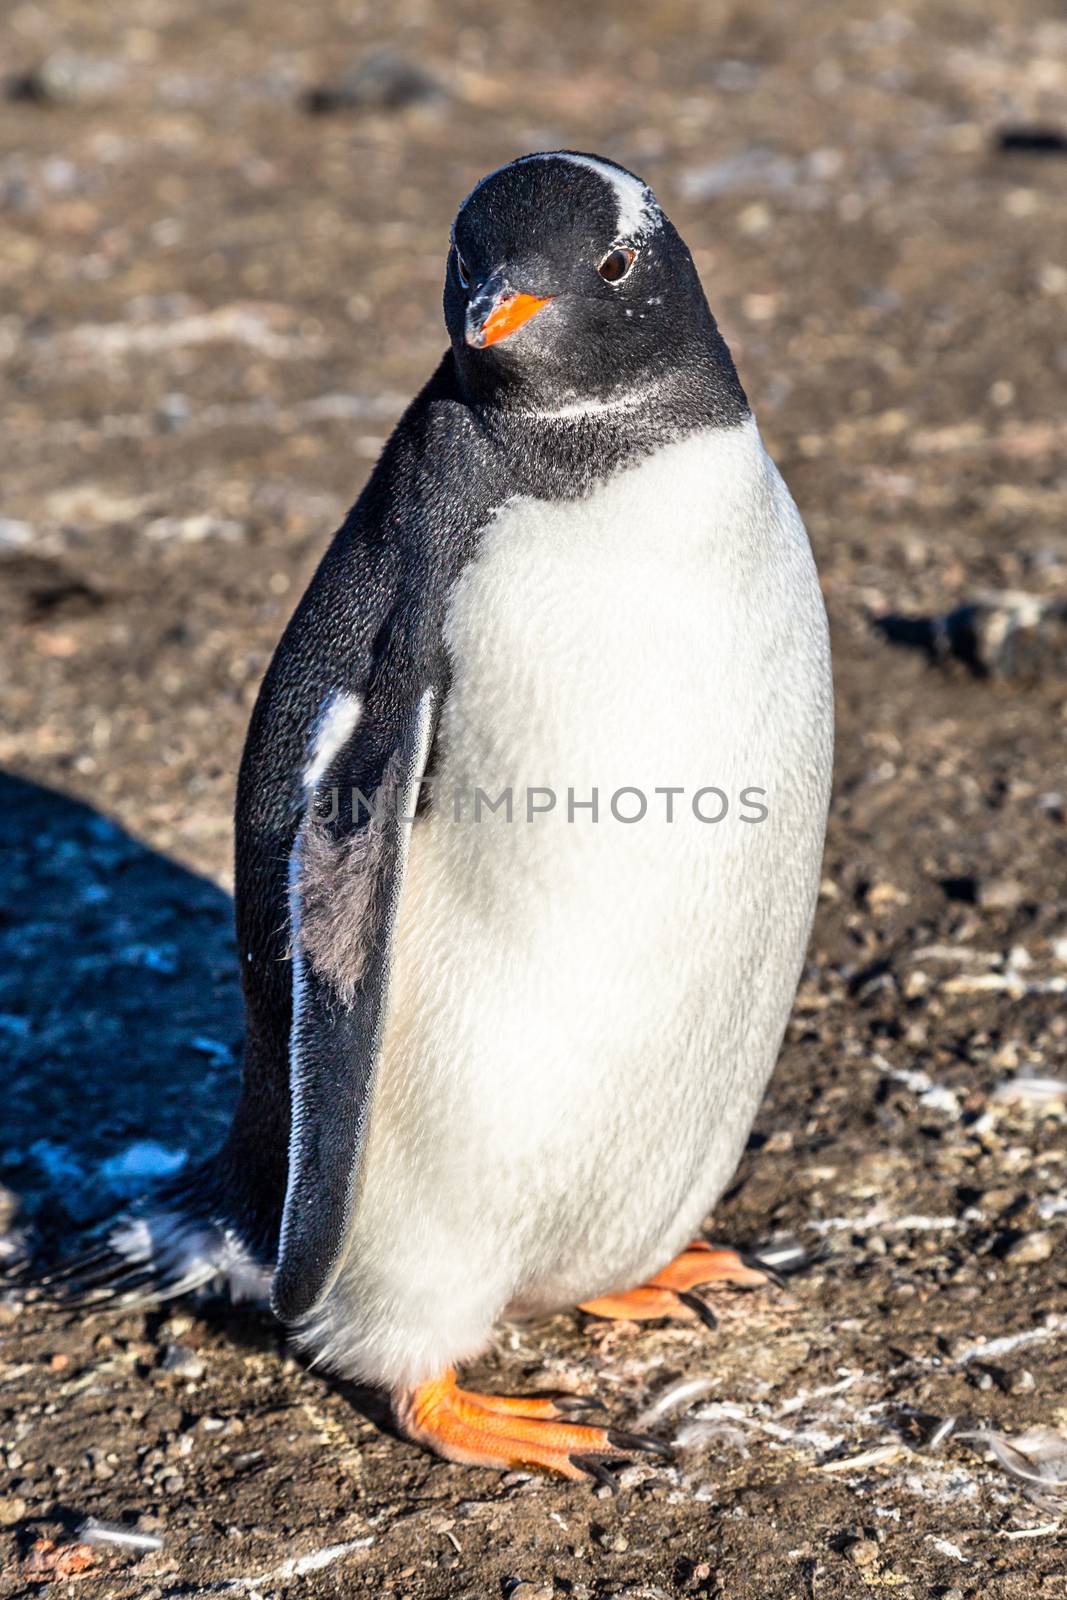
(384, 81)
(65, 79)
(1006, 635)
(1032, 141)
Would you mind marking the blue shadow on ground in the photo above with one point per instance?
(120, 1012)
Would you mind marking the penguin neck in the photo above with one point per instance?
(574, 440)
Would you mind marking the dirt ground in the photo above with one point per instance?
(213, 303)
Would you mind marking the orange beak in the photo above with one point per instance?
(507, 316)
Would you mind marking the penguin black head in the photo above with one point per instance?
(568, 289)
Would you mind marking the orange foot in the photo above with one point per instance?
(670, 1292)
(500, 1431)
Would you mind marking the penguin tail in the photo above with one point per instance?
(166, 1245)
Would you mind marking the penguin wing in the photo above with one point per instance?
(345, 877)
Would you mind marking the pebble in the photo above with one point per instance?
(1030, 1249)
(531, 1591)
(182, 1362)
(1017, 1382)
(14, 535)
(96, 1460)
(1000, 894)
(195, 529)
(12, 1510)
(175, 1328)
(864, 1553)
(68, 79)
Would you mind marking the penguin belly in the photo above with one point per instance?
(584, 1010)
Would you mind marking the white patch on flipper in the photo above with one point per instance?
(336, 725)
(637, 211)
(189, 1255)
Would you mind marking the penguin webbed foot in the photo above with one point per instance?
(508, 1431)
(670, 1292)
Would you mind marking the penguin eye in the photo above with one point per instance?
(616, 264)
(462, 272)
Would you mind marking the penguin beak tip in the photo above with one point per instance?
(506, 316)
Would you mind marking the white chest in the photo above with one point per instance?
(652, 637)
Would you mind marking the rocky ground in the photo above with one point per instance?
(221, 245)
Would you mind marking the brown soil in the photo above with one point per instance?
(212, 305)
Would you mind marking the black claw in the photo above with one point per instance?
(695, 1303)
(753, 1260)
(598, 1471)
(640, 1441)
(788, 1258)
(771, 1274)
(577, 1402)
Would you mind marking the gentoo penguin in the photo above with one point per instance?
(528, 837)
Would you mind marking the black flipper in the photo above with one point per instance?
(346, 876)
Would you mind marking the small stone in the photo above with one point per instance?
(1021, 1382)
(196, 529)
(97, 1462)
(760, 307)
(175, 1328)
(12, 1510)
(14, 535)
(864, 1553)
(49, 1560)
(181, 1362)
(1030, 1248)
(531, 1591)
(67, 79)
(755, 218)
(883, 894)
(1000, 894)
(172, 1483)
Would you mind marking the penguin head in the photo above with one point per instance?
(567, 286)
